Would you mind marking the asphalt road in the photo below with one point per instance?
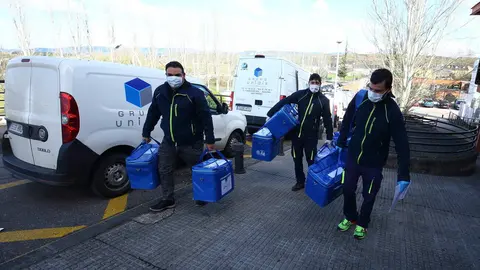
(33, 214)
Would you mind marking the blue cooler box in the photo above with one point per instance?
(336, 134)
(323, 152)
(283, 121)
(264, 146)
(324, 178)
(142, 167)
(212, 179)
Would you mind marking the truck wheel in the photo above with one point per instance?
(235, 137)
(110, 178)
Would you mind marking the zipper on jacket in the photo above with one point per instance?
(365, 136)
(171, 117)
(305, 116)
(371, 126)
(311, 109)
(172, 111)
(193, 130)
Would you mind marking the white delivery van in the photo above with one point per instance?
(75, 121)
(260, 83)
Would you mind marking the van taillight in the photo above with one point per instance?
(70, 117)
(231, 100)
(282, 97)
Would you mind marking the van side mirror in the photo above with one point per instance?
(225, 108)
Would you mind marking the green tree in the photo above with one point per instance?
(342, 70)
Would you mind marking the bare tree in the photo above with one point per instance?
(406, 34)
(56, 25)
(75, 29)
(87, 29)
(23, 35)
(113, 39)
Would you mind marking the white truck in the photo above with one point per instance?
(260, 83)
(75, 121)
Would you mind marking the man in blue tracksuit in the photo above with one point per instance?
(185, 116)
(377, 119)
(312, 107)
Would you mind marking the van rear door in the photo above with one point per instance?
(32, 105)
(45, 114)
(17, 107)
(257, 86)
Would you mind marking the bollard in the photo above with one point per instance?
(281, 151)
(238, 148)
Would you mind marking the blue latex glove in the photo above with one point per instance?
(402, 187)
(400, 192)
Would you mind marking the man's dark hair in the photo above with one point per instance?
(382, 75)
(174, 64)
(314, 77)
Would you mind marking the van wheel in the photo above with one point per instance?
(235, 137)
(110, 178)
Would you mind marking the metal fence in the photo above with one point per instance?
(432, 135)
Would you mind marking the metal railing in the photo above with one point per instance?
(463, 121)
(430, 135)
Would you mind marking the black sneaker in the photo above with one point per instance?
(163, 205)
(298, 187)
(200, 203)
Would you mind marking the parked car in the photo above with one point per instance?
(443, 104)
(75, 121)
(457, 103)
(428, 103)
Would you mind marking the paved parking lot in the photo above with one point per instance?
(33, 214)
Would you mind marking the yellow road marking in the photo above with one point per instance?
(13, 184)
(115, 206)
(249, 143)
(26, 235)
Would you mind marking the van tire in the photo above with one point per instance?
(113, 161)
(235, 137)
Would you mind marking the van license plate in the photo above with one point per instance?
(16, 128)
(244, 108)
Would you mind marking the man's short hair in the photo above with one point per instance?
(314, 77)
(382, 75)
(175, 64)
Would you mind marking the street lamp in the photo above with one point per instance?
(336, 80)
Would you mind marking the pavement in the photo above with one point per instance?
(264, 225)
(34, 215)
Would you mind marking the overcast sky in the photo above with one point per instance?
(293, 25)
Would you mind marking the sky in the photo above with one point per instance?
(237, 25)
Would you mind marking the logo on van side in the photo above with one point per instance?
(138, 92)
(258, 72)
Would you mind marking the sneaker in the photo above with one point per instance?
(298, 187)
(200, 203)
(360, 233)
(163, 205)
(345, 225)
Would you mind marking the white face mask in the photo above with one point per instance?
(374, 97)
(174, 81)
(314, 88)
